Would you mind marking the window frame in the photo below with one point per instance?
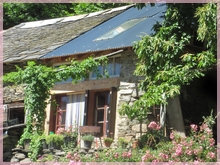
(103, 68)
(69, 80)
(120, 29)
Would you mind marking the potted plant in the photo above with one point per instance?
(43, 141)
(54, 141)
(108, 141)
(122, 142)
(70, 136)
(25, 139)
(135, 143)
(88, 139)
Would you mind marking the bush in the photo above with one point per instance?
(198, 147)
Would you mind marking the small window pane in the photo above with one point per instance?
(63, 103)
(117, 67)
(100, 69)
(110, 67)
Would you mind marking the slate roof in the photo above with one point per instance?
(87, 42)
(31, 40)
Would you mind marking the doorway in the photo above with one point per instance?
(102, 112)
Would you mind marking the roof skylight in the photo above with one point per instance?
(123, 27)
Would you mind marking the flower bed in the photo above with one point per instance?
(199, 146)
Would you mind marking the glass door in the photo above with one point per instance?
(101, 111)
(61, 112)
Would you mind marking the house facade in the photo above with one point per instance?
(29, 41)
(92, 101)
(95, 102)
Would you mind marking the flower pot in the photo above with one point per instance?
(66, 140)
(87, 144)
(70, 141)
(51, 145)
(44, 144)
(27, 144)
(135, 144)
(107, 144)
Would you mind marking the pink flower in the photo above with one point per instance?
(96, 155)
(189, 152)
(194, 127)
(172, 135)
(143, 158)
(212, 141)
(211, 155)
(153, 125)
(129, 154)
(116, 155)
(164, 156)
(178, 150)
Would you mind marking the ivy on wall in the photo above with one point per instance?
(39, 80)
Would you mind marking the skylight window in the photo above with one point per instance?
(123, 27)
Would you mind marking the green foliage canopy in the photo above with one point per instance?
(164, 59)
(16, 13)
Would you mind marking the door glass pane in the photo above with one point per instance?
(63, 102)
(63, 117)
(100, 115)
(101, 101)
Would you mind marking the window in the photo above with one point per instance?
(69, 80)
(123, 27)
(70, 110)
(113, 67)
(61, 112)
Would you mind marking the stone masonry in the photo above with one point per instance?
(127, 93)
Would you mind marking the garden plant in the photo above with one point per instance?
(199, 146)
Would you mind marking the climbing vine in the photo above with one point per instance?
(39, 79)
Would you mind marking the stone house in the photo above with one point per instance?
(31, 40)
(110, 33)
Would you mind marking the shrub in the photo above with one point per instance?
(108, 139)
(198, 147)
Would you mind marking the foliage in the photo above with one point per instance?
(88, 137)
(198, 147)
(122, 142)
(108, 139)
(152, 137)
(25, 135)
(39, 79)
(55, 138)
(70, 137)
(36, 146)
(47, 158)
(70, 132)
(165, 60)
(108, 155)
(15, 13)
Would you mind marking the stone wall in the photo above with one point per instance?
(196, 100)
(128, 92)
(11, 137)
(13, 93)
